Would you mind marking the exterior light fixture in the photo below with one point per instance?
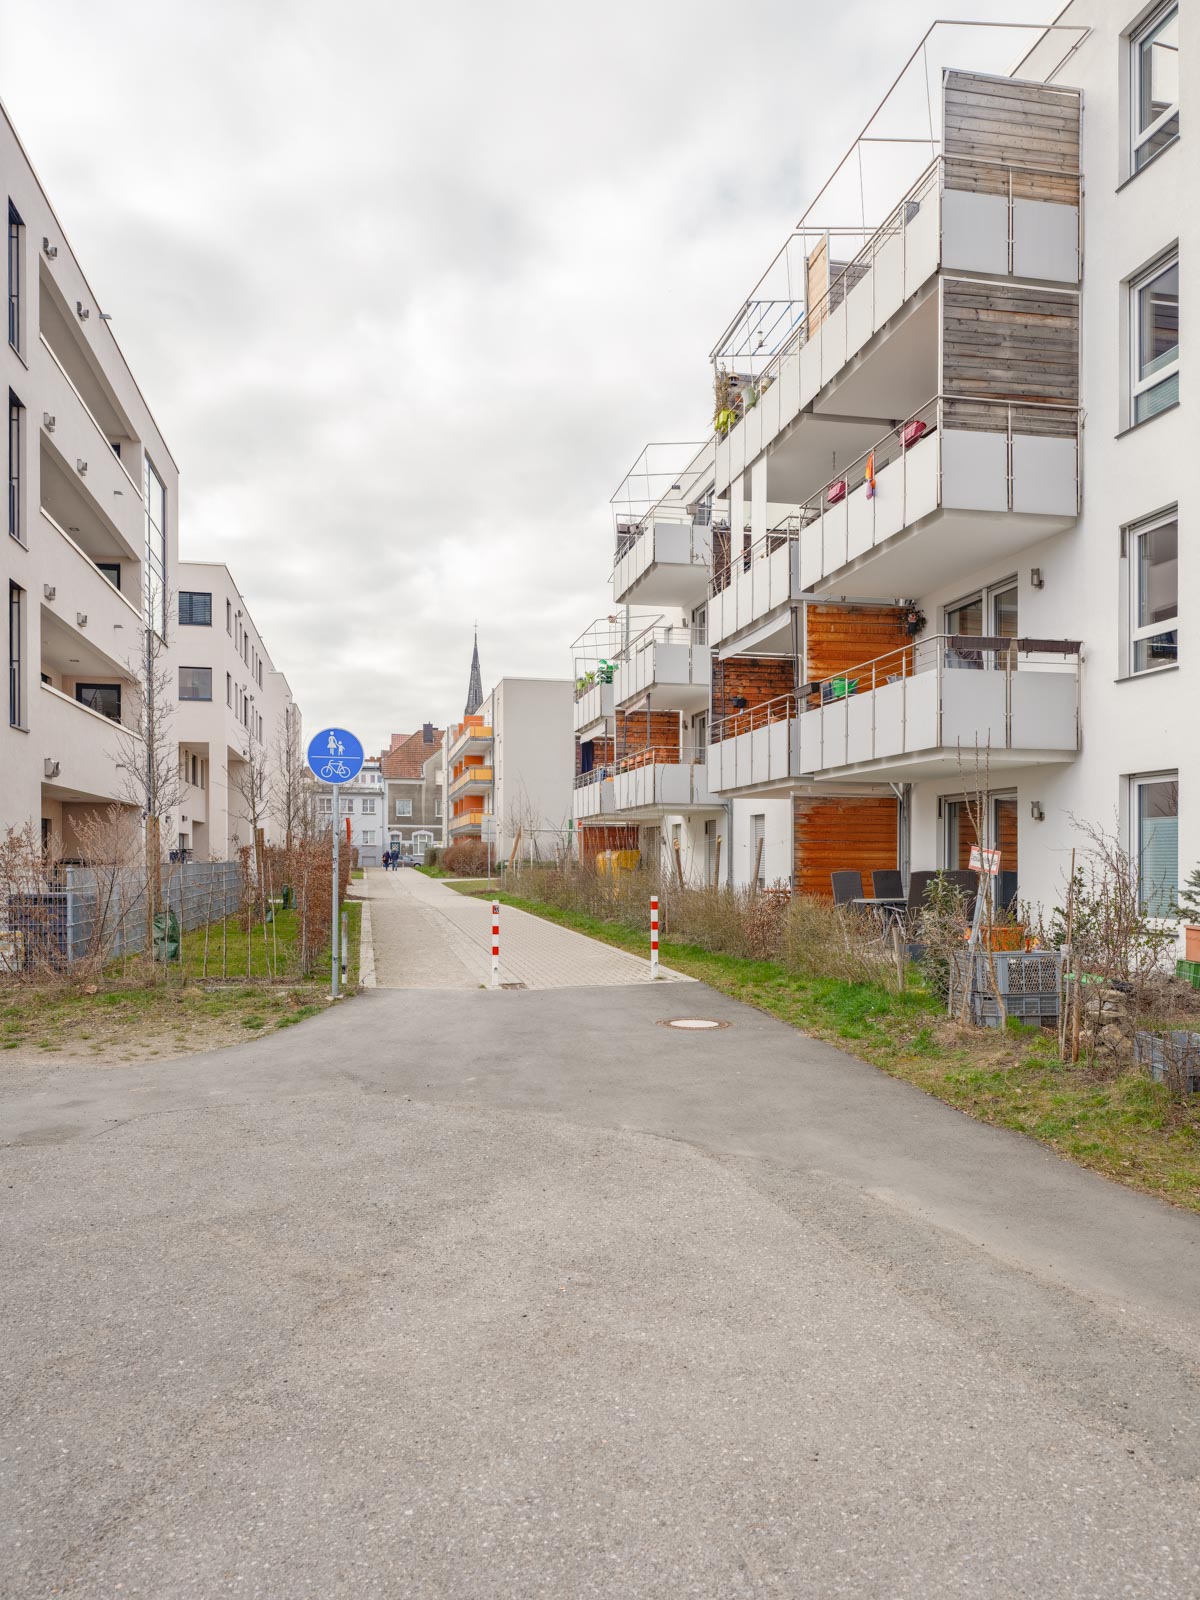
(81, 466)
(1035, 578)
(51, 250)
(1036, 812)
(47, 422)
(81, 311)
(49, 591)
(51, 768)
(81, 618)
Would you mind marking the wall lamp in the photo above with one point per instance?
(1036, 812)
(1036, 581)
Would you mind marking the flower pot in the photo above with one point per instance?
(1191, 944)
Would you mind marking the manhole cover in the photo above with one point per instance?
(692, 1023)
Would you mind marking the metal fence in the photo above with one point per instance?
(84, 909)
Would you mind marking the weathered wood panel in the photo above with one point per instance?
(1011, 342)
(995, 123)
(841, 833)
(754, 679)
(608, 836)
(653, 730)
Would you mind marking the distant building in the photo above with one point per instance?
(412, 792)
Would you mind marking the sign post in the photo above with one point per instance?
(335, 757)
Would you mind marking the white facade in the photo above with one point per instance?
(1018, 308)
(91, 537)
(531, 758)
(233, 718)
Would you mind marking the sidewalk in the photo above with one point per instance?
(428, 937)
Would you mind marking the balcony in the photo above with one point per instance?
(593, 794)
(473, 780)
(80, 588)
(850, 333)
(650, 784)
(924, 711)
(676, 672)
(962, 483)
(661, 562)
(107, 488)
(757, 749)
(594, 705)
(467, 822)
(89, 748)
(756, 584)
(474, 740)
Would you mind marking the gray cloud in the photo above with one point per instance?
(408, 286)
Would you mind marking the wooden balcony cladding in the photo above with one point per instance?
(592, 839)
(999, 124)
(754, 679)
(842, 833)
(840, 637)
(653, 730)
(1009, 342)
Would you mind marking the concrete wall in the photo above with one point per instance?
(533, 757)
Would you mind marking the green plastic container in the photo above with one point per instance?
(1189, 971)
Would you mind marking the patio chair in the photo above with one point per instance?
(847, 886)
(887, 885)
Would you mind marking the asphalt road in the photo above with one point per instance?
(520, 1294)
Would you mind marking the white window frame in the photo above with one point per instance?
(1138, 782)
(368, 805)
(1138, 386)
(404, 808)
(1150, 630)
(368, 837)
(1137, 39)
(325, 805)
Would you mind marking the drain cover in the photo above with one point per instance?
(693, 1023)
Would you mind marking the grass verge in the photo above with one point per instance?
(1123, 1126)
(127, 1019)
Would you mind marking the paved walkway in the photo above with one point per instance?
(427, 936)
(453, 1295)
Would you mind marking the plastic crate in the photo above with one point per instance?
(1030, 983)
(1189, 971)
(1170, 1056)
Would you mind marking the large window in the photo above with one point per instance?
(16, 234)
(110, 570)
(1153, 549)
(1155, 342)
(1156, 841)
(102, 697)
(1154, 96)
(16, 654)
(156, 550)
(16, 421)
(195, 608)
(195, 683)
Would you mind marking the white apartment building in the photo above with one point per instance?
(941, 510)
(507, 771)
(234, 717)
(91, 532)
(361, 806)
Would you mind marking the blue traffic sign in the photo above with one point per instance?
(335, 756)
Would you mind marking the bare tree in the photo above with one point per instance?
(291, 802)
(248, 779)
(149, 753)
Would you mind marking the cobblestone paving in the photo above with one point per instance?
(428, 937)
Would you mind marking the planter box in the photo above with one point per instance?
(1173, 1058)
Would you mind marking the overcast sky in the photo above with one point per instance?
(408, 286)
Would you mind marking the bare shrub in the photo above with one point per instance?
(467, 859)
(822, 940)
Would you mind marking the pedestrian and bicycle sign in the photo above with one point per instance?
(335, 756)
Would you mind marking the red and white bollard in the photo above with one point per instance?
(653, 936)
(495, 944)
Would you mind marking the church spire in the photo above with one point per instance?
(475, 687)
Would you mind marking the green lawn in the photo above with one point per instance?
(1124, 1126)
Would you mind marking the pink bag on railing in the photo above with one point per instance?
(912, 431)
(836, 491)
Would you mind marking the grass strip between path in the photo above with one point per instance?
(1124, 1126)
(181, 1011)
